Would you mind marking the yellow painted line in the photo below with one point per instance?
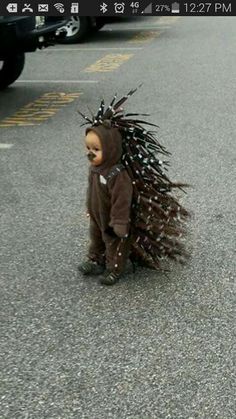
(109, 62)
(144, 36)
(12, 121)
(40, 110)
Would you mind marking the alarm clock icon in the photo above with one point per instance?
(119, 7)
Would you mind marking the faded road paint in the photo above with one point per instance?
(108, 63)
(144, 36)
(40, 110)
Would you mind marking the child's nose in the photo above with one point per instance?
(91, 155)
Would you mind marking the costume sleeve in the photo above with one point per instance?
(88, 192)
(121, 191)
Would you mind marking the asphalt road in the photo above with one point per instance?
(150, 347)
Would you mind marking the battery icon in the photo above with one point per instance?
(74, 8)
(175, 8)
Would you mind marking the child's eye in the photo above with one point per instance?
(87, 147)
(96, 149)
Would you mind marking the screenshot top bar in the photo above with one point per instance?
(117, 8)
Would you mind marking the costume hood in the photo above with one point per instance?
(111, 141)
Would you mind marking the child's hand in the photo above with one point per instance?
(121, 230)
(110, 232)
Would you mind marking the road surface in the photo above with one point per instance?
(152, 346)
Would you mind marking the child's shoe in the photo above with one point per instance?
(89, 267)
(110, 278)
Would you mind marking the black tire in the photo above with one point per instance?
(99, 23)
(11, 69)
(78, 28)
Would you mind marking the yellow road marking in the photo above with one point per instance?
(144, 36)
(40, 110)
(109, 62)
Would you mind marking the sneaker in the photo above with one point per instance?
(90, 267)
(110, 278)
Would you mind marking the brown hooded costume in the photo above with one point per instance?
(109, 200)
(158, 219)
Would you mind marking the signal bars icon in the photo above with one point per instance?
(147, 10)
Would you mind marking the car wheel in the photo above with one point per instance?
(99, 23)
(10, 69)
(76, 29)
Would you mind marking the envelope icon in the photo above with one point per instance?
(43, 7)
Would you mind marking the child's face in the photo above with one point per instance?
(94, 148)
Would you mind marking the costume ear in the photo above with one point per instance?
(107, 123)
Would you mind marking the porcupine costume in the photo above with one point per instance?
(157, 218)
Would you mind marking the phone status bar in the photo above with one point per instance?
(117, 9)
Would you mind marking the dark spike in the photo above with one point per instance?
(85, 117)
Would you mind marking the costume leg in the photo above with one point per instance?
(117, 253)
(97, 246)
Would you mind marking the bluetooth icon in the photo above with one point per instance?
(103, 7)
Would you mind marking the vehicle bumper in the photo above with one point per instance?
(20, 35)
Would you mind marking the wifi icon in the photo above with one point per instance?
(60, 7)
